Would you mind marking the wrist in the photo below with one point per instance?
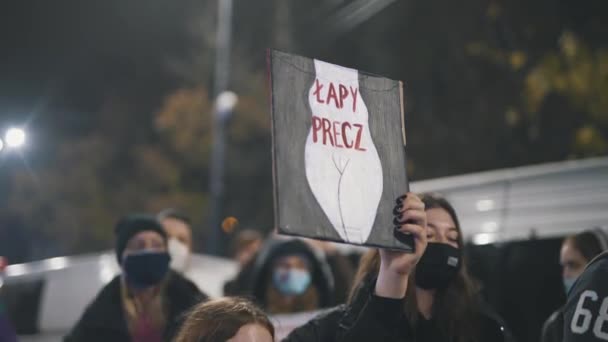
(390, 284)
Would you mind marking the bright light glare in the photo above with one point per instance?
(57, 263)
(226, 101)
(16, 270)
(485, 205)
(1, 144)
(106, 274)
(107, 268)
(15, 137)
(489, 227)
(484, 239)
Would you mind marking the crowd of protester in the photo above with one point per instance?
(387, 295)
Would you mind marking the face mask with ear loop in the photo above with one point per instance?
(145, 269)
(438, 266)
(291, 282)
(180, 255)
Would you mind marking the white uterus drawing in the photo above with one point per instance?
(346, 182)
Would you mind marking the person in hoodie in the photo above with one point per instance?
(146, 301)
(288, 277)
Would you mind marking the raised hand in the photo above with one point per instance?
(396, 266)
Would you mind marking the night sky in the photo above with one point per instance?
(60, 62)
(60, 59)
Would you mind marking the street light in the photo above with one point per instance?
(14, 137)
(224, 104)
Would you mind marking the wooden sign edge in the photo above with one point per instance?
(275, 181)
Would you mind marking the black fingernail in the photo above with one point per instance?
(404, 238)
(398, 209)
(401, 199)
(396, 222)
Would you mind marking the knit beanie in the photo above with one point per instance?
(130, 226)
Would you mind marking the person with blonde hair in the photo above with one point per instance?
(144, 302)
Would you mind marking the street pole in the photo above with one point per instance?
(216, 239)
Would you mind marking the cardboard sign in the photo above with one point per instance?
(339, 158)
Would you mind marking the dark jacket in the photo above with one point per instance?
(322, 277)
(373, 318)
(585, 310)
(241, 284)
(104, 319)
(553, 329)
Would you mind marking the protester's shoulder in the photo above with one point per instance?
(181, 286)
(103, 314)
(323, 327)
(329, 316)
(555, 318)
(492, 325)
(553, 327)
(106, 299)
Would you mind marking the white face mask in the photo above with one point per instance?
(180, 255)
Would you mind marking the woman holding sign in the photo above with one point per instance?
(422, 296)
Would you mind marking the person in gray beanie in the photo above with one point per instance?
(146, 301)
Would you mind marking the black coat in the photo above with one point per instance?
(373, 318)
(104, 319)
(553, 329)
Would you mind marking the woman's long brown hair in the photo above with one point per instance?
(221, 319)
(454, 308)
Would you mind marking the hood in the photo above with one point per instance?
(322, 277)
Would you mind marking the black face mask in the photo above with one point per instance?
(438, 266)
(146, 269)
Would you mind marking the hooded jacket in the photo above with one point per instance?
(261, 275)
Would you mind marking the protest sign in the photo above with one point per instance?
(339, 157)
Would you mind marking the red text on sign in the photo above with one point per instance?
(337, 134)
(335, 96)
